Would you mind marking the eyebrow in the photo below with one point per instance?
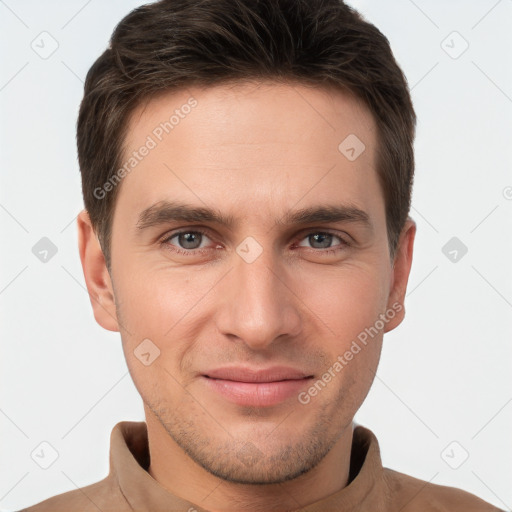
(168, 211)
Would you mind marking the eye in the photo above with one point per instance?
(192, 242)
(323, 240)
(187, 240)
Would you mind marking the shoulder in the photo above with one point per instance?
(101, 495)
(411, 494)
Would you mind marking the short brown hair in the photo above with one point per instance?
(173, 44)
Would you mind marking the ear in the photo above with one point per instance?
(400, 274)
(97, 278)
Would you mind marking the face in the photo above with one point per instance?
(251, 280)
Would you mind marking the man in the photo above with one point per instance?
(247, 170)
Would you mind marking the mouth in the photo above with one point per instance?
(256, 387)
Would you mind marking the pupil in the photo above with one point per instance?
(189, 240)
(322, 238)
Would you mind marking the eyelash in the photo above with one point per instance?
(194, 252)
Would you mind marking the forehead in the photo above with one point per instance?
(271, 145)
(263, 110)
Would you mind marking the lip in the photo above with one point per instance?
(246, 374)
(256, 387)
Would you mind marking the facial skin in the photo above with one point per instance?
(254, 153)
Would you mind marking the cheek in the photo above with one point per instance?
(158, 303)
(347, 299)
(348, 302)
(161, 307)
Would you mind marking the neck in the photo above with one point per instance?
(174, 470)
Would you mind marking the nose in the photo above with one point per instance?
(258, 302)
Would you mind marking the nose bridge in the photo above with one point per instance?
(258, 306)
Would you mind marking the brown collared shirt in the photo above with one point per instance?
(371, 488)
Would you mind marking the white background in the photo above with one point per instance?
(445, 372)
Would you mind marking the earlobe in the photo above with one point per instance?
(400, 274)
(97, 278)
